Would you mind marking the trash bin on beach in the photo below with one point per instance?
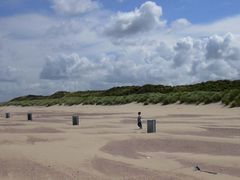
(75, 120)
(29, 116)
(151, 126)
(7, 115)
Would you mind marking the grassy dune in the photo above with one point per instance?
(224, 91)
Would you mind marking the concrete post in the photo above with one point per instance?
(151, 126)
(75, 120)
(29, 116)
(7, 115)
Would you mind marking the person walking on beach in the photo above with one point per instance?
(139, 120)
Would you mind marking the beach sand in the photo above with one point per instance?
(108, 145)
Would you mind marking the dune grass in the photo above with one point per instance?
(226, 92)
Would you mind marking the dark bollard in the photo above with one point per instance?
(151, 126)
(29, 116)
(7, 115)
(75, 120)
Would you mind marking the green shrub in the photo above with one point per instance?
(155, 98)
(229, 96)
(236, 101)
(171, 98)
(227, 92)
(217, 97)
(142, 98)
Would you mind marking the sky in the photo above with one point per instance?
(71, 45)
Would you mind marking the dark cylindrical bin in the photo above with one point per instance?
(75, 120)
(7, 115)
(29, 116)
(151, 126)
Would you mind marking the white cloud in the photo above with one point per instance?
(187, 61)
(42, 54)
(142, 19)
(221, 27)
(67, 67)
(180, 23)
(74, 7)
(220, 47)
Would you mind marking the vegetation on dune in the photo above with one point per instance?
(224, 91)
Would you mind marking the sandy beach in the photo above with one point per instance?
(108, 145)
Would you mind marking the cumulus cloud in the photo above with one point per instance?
(186, 61)
(210, 58)
(183, 51)
(74, 7)
(141, 19)
(108, 70)
(180, 23)
(219, 47)
(66, 67)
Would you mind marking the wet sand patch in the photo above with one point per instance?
(104, 132)
(3, 142)
(131, 148)
(233, 171)
(128, 121)
(30, 140)
(115, 168)
(185, 122)
(126, 171)
(50, 120)
(27, 169)
(221, 132)
(102, 114)
(99, 127)
(45, 113)
(224, 126)
(131, 121)
(33, 140)
(211, 132)
(222, 118)
(11, 124)
(32, 130)
(184, 116)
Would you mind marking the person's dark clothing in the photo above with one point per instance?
(139, 122)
